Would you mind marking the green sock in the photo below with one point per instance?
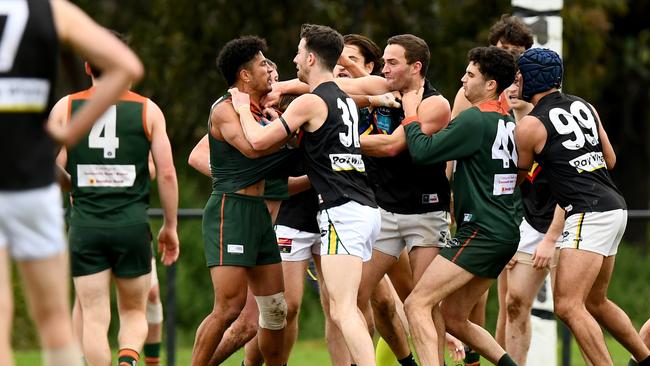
(127, 357)
(471, 357)
(632, 362)
(506, 361)
(152, 354)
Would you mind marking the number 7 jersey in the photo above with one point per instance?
(109, 167)
(573, 156)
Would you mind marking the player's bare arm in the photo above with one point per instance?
(161, 151)
(530, 137)
(225, 126)
(545, 250)
(57, 120)
(302, 111)
(120, 66)
(199, 158)
(608, 150)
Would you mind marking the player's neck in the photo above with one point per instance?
(537, 97)
(255, 95)
(318, 77)
(483, 99)
(414, 84)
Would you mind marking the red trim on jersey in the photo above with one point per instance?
(492, 106)
(408, 120)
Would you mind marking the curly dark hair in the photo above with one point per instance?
(324, 42)
(236, 54)
(415, 49)
(511, 29)
(495, 64)
(369, 50)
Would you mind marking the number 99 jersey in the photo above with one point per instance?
(573, 156)
(109, 167)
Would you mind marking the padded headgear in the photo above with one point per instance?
(541, 70)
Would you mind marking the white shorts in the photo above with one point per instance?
(296, 245)
(598, 232)
(350, 228)
(31, 223)
(398, 231)
(529, 237)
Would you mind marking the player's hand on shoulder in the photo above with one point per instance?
(411, 100)
(239, 99)
(168, 245)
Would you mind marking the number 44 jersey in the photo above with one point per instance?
(481, 140)
(109, 167)
(573, 155)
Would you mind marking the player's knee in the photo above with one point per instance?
(154, 312)
(515, 306)
(564, 307)
(273, 311)
(154, 295)
(293, 308)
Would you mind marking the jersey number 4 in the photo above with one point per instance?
(104, 133)
(350, 117)
(575, 121)
(16, 14)
(504, 148)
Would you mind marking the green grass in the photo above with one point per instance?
(314, 353)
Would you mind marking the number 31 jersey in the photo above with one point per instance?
(109, 167)
(573, 156)
(333, 152)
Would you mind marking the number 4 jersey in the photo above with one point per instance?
(481, 140)
(109, 168)
(573, 156)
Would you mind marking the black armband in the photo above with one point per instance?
(286, 126)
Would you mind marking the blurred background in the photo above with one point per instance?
(607, 61)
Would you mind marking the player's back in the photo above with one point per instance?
(28, 65)
(109, 167)
(573, 155)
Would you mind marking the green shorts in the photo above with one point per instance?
(237, 231)
(482, 258)
(276, 189)
(126, 250)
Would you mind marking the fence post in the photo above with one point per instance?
(170, 318)
(566, 345)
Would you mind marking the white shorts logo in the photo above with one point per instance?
(588, 162)
(92, 175)
(504, 184)
(342, 162)
(235, 249)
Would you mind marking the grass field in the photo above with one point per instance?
(314, 353)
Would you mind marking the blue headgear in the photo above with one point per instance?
(541, 70)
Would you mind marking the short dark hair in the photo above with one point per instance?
(369, 49)
(323, 41)
(415, 49)
(94, 70)
(495, 64)
(511, 29)
(236, 54)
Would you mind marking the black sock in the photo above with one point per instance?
(505, 360)
(471, 357)
(632, 362)
(645, 362)
(408, 360)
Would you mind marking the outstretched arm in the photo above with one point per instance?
(120, 66)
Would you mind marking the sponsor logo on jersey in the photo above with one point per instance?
(284, 245)
(430, 198)
(467, 217)
(345, 162)
(105, 175)
(24, 95)
(235, 249)
(504, 184)
(589, 162)
(568, 208)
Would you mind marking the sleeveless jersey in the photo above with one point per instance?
(481, 140)
(300, 210)
(538, 202)
(401, 186)
(334, 163)
(573, 156)
(109, 168)
(231, 170)
(28, 66)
